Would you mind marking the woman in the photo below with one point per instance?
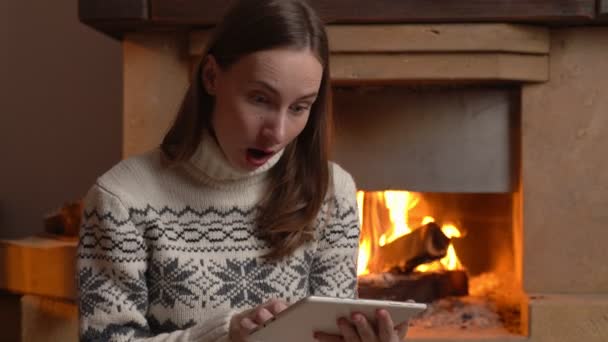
(239, 212)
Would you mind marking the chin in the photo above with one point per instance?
(244, 166)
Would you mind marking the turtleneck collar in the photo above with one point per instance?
(210, 160)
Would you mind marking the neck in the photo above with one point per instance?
(210, 160)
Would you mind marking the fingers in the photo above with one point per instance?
(367, 331)
(348, 331)
(263, 313)
(386, 327)
(240, 326)
(275, 306)
(248, 324)
(360, 329)
(248, 320)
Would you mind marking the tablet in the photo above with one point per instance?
(298, 322)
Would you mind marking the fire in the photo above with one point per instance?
(427, 219)
(450, 261)
(450, 231)
(365, 244)
(397, 205)
(364, 253)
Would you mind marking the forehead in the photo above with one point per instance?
(287, 70)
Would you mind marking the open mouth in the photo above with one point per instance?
(257, 157)
(258, 153)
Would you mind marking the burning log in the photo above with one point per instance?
(422, 245)
(421, 287)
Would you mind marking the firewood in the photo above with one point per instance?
(39, 265)
(422, 245)
(421, 287)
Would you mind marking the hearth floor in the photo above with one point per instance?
(451, 334)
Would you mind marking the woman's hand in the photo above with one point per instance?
(243, 323)
(361, 330)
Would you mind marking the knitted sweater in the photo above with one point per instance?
(170, 254)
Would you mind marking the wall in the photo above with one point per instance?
(60, 110)
(565, 183)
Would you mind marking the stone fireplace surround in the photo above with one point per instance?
(539, 90)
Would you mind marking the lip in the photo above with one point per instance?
(266, 150)
(258, 161)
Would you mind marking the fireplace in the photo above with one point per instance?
(453, 250)
(436, 166)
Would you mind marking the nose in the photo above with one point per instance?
(274, 128)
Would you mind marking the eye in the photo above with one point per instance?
(299, 108)
(259, 98)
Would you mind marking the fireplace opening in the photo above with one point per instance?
(437, 168)
(453, 250)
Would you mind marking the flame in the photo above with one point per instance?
(427, 220)
(398, 204)
(364, 254)
(450, 231)
(365, 247)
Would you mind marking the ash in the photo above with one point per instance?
(493, 303)
(460, 312)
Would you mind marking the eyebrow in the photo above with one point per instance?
(271, 89)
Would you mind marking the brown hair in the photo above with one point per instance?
(299, 181)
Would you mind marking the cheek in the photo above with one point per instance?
(237, 119)
(225, 112)
(297, 126)
(247, 118)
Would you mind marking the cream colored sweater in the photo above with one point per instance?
(170, 254)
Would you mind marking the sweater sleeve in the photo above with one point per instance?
(111, 278)
(334, 267)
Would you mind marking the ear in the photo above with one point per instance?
(209, 73)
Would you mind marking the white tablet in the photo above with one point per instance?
(299, 321)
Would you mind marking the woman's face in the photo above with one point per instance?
(262, 102)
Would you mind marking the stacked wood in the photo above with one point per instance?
(420, 287)
(39, 265)
(422, 245)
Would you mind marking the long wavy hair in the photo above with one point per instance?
(299, 181)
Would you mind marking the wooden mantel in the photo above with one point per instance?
(115, 17)
(445, 53)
